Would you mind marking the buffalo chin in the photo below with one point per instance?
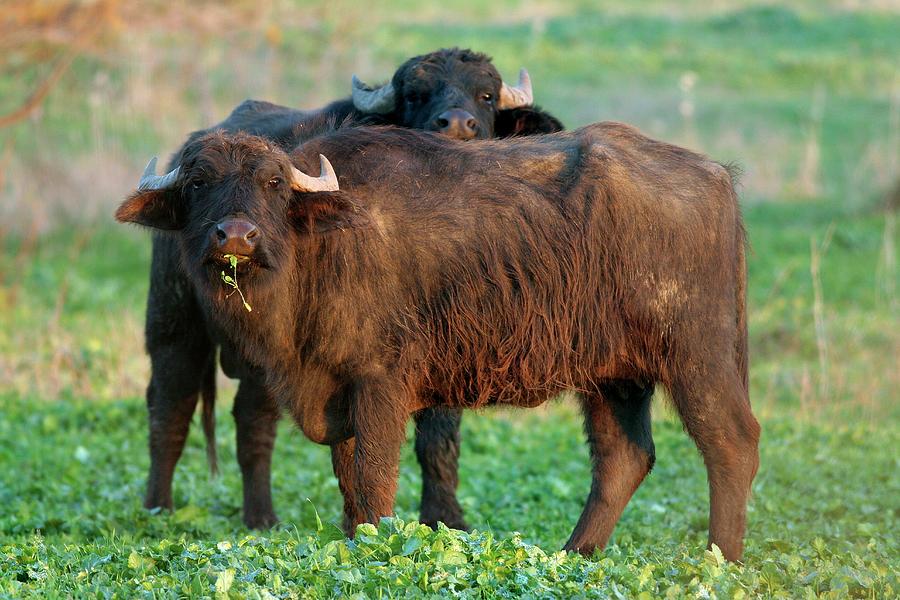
(246, 265)
(248, 274)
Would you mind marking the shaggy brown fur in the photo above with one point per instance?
(466, 274)
(181, 347)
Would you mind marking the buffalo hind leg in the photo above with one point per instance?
(715, 410)
(437, 448)
(177, 375)
(256, 418)
(617, 422)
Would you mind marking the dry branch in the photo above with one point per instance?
(94, 22)
(65, 29)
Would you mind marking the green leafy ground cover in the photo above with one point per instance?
(802, 94)
(821, 522)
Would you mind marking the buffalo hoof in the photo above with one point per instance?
(156, 504)
(586, 550)
(263, 520)
(451, 521)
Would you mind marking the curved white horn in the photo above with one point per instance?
(379, 100)
(326, 181)
(521, 95)
(151, 181)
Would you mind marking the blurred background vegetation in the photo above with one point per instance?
(803, 95)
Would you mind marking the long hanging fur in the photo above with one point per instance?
(459, 274)
(581, 257)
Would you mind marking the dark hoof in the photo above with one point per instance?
(260, 520)
(586, 550)
(453, 522)
(444, 509)
(156, 505)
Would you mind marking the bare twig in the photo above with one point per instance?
(62, 64)
(37, 97)
(809, 170)
(780, 278)
(23, 255)
(5, 156)
(53, 326)
(806, 407)
(886, 271)
(816, 254)
(893, 160)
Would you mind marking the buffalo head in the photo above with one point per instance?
(456, 92)
(234, 195)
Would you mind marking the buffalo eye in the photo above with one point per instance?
(197, 183)
(487, 97)
(274, 182)
(417, 97)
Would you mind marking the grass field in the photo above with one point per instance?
(804, 95)
(822, 520)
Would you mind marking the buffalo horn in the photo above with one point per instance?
(379, 100)
(326, 181)
(151, 181)
(521, 95)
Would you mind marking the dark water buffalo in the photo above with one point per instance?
(436, 273)
(456, 92)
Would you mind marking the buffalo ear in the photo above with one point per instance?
(526, 120)
(317, 212)
(159, 209)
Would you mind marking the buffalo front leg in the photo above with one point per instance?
(182, 366)
(177, 376)
(342, 461)
(437, 449)
(617, 422)
(379, 420)
(256, 417)
(715, 409)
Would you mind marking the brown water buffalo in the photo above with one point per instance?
(458, 93)
(436, 273)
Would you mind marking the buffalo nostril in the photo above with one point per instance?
(457, 123)
(237, 236)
